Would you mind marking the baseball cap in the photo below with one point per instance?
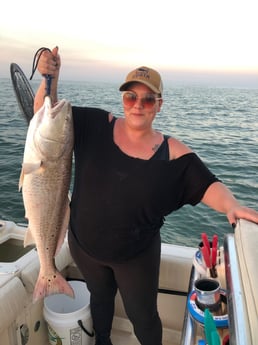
(146, 76)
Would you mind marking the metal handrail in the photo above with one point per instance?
(188, 335)
(239, 329)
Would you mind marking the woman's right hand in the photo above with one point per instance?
(50, 63)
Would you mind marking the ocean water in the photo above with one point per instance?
(220, 125)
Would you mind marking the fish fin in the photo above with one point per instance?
(50, 285)
(21, 179)
(64, 229)
(28, 238)
(28, 168)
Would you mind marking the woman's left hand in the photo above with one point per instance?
(242, 212)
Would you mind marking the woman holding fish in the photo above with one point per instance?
(128, 177)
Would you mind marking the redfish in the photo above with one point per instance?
(45, 182)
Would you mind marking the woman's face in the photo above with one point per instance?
(140, 105)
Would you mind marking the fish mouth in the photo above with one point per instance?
(59, 107)
(54, 130)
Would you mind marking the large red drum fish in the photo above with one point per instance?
(45, 182)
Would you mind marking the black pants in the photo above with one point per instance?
(137, 280)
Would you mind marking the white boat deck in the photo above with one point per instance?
(122, 336)
(125, 338)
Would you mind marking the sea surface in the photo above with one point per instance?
(219, 124)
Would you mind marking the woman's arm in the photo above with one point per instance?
(217, 196)
(49, 63)
(221, 199)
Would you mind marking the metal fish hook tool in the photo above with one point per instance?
(48, 83)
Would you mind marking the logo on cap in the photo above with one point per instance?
(142, 73)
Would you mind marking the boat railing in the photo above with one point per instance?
(241, 255)
(189, 330)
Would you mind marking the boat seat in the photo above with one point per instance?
(246, 241)
(29, 274)
(175, 269)
(13, 298)
(9, 230)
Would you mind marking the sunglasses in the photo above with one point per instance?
(148, 101)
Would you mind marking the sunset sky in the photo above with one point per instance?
(103, 40)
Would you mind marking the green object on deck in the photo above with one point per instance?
(211, 333)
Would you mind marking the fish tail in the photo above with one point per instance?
(50, 285)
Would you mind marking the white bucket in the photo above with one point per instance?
(69, 319)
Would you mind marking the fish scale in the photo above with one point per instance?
(45, 181)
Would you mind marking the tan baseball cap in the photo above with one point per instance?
(146, 76)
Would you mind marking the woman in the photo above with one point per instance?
(128, 177)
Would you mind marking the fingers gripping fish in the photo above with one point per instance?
(45, 181)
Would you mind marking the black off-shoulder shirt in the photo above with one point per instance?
(119, 202)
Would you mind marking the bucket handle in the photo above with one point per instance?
(90, 334)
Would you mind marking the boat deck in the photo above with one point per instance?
(120, 337)
(125, 338)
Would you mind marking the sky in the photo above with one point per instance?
(186, 40)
